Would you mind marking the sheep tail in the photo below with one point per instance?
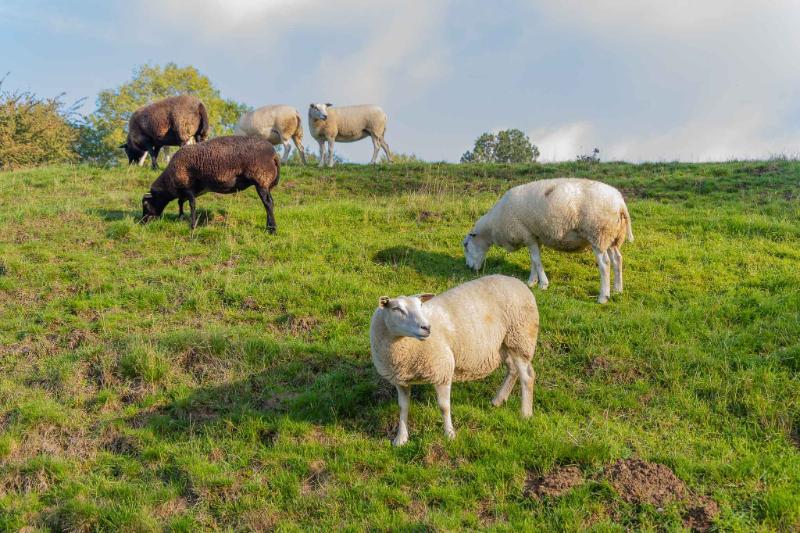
(202, 131)
(298, 134)
(277, 160)
(627, 218)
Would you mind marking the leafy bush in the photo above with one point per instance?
(104, 130)
(594, 157)
(34, 130)
(507, 146)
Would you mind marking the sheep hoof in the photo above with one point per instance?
(400, 440)
(272, 230)
(544, 286)
(450, 434)
(602, 299)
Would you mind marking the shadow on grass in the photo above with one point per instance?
(113, 215)
(443, 265)
(316, 389)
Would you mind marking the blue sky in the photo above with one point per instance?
(640, 80)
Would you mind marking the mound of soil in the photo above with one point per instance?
(700, 514)
(639, 482)
(556, 483)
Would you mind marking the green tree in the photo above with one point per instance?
(104, 130)
(34, 131)
(507, 146)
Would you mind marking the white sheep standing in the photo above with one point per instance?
(462, 334)
(566, 214)
(278, 124)
(347, 124)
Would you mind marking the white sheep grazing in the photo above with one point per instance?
(278, 124)
(347, 124)
(566, 214)
(460, 335)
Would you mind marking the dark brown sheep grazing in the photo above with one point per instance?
(223, 165)
(175, 121)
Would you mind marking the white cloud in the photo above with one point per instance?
(402, 53)
(563, 143)
(717, 73)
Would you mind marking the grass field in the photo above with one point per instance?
(151, 378)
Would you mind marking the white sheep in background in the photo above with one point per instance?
(278, 124)
(460, 335)
(566, 214)
(347, 124)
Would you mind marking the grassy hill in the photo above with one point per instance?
(153, 378)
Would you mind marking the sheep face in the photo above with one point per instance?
(152, 206)
(133, 153)
(319, 111)
(475, 248)
(404, 316)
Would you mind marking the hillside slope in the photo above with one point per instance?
(154, 378)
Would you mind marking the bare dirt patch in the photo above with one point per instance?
(700, 514)
(639, 482)
(317, 478)
(556, 483)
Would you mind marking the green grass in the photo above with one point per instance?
(151, 378)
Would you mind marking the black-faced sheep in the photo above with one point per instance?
(223, 165)
(463, 334)
(175, 121)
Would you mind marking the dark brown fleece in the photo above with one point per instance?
(223, 165)
(173, 121)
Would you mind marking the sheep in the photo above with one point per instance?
(462, 334)
(223, 165)
(278, 124)
(347, 124)
(566, 214)
(175, 121)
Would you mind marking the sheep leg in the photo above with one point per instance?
(286, 149)
(192, 211)
(537, 270)
(386, 150)
(403, 399)
(601, 256)
(507, 386)
(154, 156)
(443, 399)
(141, 159)
(266, 199)
(376, 149)
(527, 378)
(180, 208)
(166, 154)
(615, 255)
(301, 149)
(330, 152)
(321, 153)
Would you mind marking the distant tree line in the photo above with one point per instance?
(36, 131)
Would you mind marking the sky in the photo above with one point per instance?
(641, 80)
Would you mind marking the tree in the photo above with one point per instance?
(34, 131)
(104, 130)
(507, 146)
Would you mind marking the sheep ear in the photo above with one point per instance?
(329, 104)
(123, 145)
(473, 234)
(425, 297)
(383, 301)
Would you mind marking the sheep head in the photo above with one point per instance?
(475, 248)
(405, 316)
